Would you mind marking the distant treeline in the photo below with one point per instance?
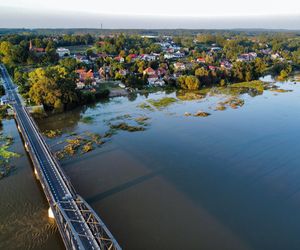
(153, 32)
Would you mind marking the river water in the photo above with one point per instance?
(226, 181)
(24, 222)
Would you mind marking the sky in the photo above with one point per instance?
(150, 14)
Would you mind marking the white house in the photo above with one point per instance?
(63, 52)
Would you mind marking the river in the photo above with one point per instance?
(226, 181)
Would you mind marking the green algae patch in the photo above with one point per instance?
(124, 126)
(163, 102)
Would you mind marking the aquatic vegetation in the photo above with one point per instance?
(280, 90)
(52, 133)
(145, 106)
(109, 133)
(163, 102)
(6, 155)
(121, 117)
(83, 143)
(220, 108)
(201, 114)
(3, 111)
(257, 85)
(189, 95)
(142, 120)
(87, 147)
(124, 126)
(234, 102)
(87, 119)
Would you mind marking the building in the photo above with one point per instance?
(62, 52)
(148, 57)
(84, 76)
(119, 59)
(149, 71)
(247, 57)
(35, 49)
(201, 60)
(179, 66)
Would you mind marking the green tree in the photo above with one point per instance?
(189, 82)
(53, 87)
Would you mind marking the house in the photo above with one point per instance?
(215, 49)
(84, 76)
(158, 82)
(246, 57)
(148, 57)
(119, 59)
(149, 71)
(151, 57)
(153, 79)
(266, 51)
(101, 43)
(80, 85)
(276, 56)
(63, 52)
(211, 67)
(133, 57)
(169, 56)
(102, 55)
(226, 65)
(82, 58)
(161, 71)
(201, 60)
(122, 72)
(178, 54)
(179, 66)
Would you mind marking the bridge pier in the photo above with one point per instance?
(50, 213)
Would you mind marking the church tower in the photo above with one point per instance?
(30, 46)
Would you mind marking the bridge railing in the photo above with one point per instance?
(70, 236)
(57, 165)
(101, 233)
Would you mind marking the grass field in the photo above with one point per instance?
(78, 48)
